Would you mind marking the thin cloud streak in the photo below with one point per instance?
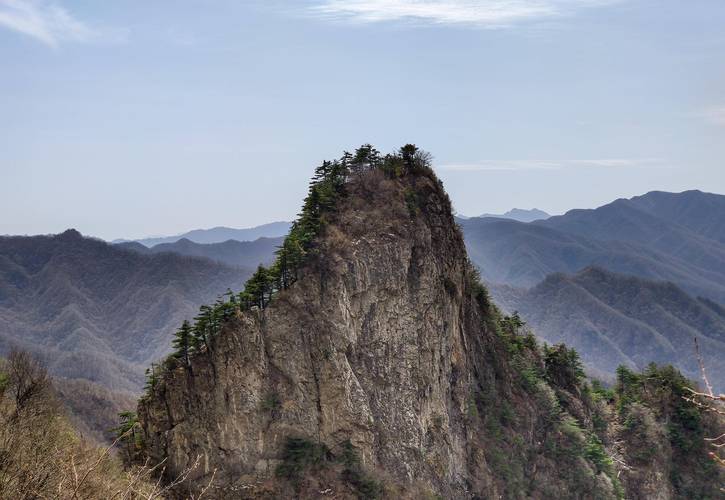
(44, 20)
(481, 13)
(524, 165)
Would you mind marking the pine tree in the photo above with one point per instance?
(151, 378)
(408, 153)
(366, 158)
(259, 287)
(202, 325)
(182, 342)
(127, 433)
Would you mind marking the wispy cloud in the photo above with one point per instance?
(44, 20)
(481, 13)
(515, 165)
(715, 115)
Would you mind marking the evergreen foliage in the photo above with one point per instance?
(152, 378)
(563, 367)
(663, 390)
(182, 343)
(516, 338)
(301, 456)
(129, 436)
(298, 455)
(355, 475)
(594, 451)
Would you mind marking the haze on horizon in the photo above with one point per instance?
(134, 118)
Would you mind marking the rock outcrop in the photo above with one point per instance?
(387, 367)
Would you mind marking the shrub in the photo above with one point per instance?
(298, 455)
(510, 331)
(594, 451)
(41, 456)
(644, 436)
(602, 393)
(413, 202)
(530, 378)
(563, 367)
(450, 286)
(548, 402)
(353, 474)
(572, 439)
(301, 455)
(129, 436)
(479, 292)
(271, 402)
(598, 422)
(366, 487)
(627, 388)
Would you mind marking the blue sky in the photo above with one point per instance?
(133, 118)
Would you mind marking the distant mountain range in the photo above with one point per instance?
(94, 311)
(621, 283)
(658, 236)
(521, 215)
(613, 319)
(243, 254)
(219, 234)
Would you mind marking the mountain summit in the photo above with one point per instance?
(521, 215)
(368, 362)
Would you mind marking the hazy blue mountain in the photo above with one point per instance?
(613, 319)
(518, 254)
(521, 215)
(135, 246)
(623, 220)
(221, 234)
(699, 212)
(94, 311)
(246, 254)
(620, 236)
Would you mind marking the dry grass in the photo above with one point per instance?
(41, 456)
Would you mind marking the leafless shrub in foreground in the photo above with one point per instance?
(42, 457)
(711, 403)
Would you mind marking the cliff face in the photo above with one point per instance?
(369, 345)
(385, 348)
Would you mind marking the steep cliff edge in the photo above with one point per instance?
(383, 371)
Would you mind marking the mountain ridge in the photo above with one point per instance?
(243, 254)
(519, 214)
(614, 319)
(93, 311)
(618, 236)
(218, 234)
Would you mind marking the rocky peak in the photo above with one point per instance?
(382, 370)
(70, 235)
